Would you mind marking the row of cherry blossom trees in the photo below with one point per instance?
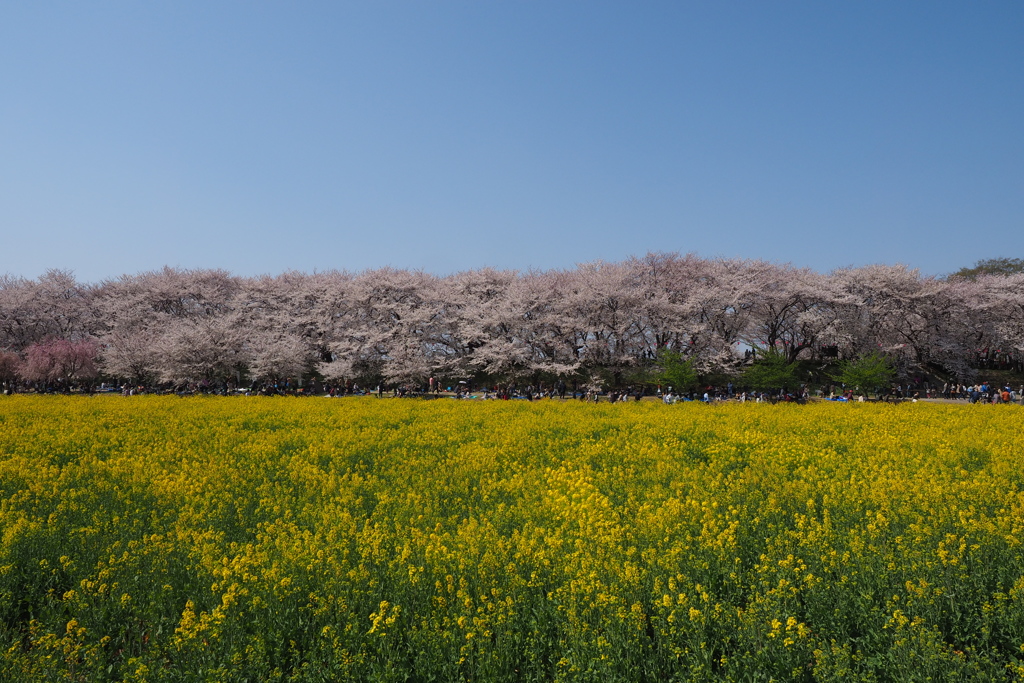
(609, 319)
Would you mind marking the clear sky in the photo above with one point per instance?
(262, 137)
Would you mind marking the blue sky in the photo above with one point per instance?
(264, 137)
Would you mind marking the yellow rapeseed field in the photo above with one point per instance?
(253, 539)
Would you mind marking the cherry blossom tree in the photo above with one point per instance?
(178, 326)
(994, 311)
(597, 319)
(203, 352)
(275, 357)
(482, 328)
(130, 355)
(53, 306)
(665, 312)
(387, 328)
(791, 310)
(894, 310)
(720, 298)
(59, 360)
(604, 302)
(550, 337)
(19, 322)
(280, 334)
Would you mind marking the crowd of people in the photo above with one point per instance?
(982, 392)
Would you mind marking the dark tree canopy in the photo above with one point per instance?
(771, 371)
(675, 371)
(868, 372)
(992, 266)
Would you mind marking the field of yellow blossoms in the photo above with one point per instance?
(255, 539)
